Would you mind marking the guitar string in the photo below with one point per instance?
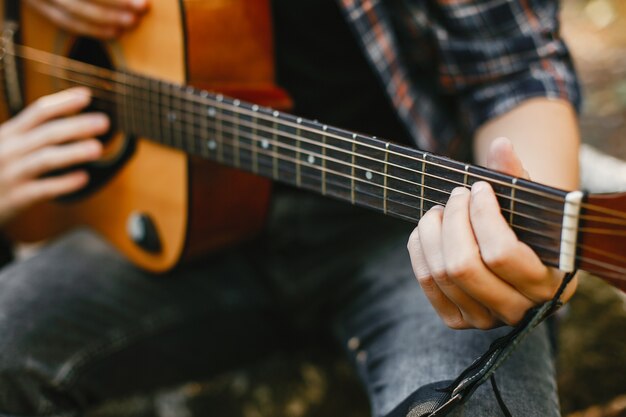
(591, 207)
(236, 132)
(590, 230)
(323, 157)
(317, 143)
(589, 260)
(179, 89)
(237, 123)
(613, 268)
(415, 208)
(110, 75)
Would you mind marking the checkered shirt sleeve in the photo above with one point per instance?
(451, 65)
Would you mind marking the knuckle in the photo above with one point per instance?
(428, 284)
(441, 277)
(485, 323)
(455, 321)
(463, 269)
(512, 317)
(499, 256)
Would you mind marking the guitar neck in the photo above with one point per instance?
(363, 170)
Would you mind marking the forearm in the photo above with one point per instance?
(545, 136)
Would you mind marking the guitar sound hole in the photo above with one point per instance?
(91, 51)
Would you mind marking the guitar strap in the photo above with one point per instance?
(440, 398)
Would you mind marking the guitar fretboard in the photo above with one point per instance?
(363, 170)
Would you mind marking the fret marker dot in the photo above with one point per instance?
(275, 113)
(324, 128)
(265, 144)
(211, 112)
(212, 145)
(369, 175)
(354, 136)
(219, 97)
(236, 103)
(255, 107)
(311, 159)
(204, 94)
(299, 120)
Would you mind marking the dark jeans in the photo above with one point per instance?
(79, 325)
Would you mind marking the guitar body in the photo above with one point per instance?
(194, 205)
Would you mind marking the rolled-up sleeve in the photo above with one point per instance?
(494, 54)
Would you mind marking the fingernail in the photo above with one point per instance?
(436, 208)
(479, 187)
(458, 191)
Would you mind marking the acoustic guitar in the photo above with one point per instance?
(199, 126)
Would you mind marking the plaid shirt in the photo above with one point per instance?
(448, 66)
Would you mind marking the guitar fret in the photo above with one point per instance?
(155, 109)
(219, 131)
(128, 115)
(203, 116)
(170, 115)
(352, 184)
(466, 168)
(323, 158)
(120, 99)
(145, 98)
(423, 184)
(444, 176)
(178, 124)
(274, 141)
(236, 145)
(324, 164)
(123, 108)
(370, 172)
(187, 121)
(211, 130)
(138, 106)
(512, 206)
(255, 154)
(165, 106)
(385, 182)
(298, 155)
(128, 104)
